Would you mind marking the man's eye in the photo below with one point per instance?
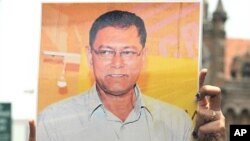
(106, 52)
(128, 53)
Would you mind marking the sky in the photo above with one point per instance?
(238, 22)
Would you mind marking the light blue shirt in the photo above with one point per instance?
(84, 118)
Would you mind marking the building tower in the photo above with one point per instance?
(214, 36)
(217, 50)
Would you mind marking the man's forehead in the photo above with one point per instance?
(117, 47)
(113, 37)
(107, 29)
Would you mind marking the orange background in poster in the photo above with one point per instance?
(173, 39)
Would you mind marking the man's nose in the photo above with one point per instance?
(117, 61)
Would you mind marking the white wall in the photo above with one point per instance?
(19, 51)
(19, 56)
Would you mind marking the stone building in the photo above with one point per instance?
(228, 65)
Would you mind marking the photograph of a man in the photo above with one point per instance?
(114, 108)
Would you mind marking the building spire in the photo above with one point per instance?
(220, 7)
(219, 13)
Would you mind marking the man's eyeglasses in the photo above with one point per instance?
(108, 54)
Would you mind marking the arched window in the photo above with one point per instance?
(230, 117)
(246, 69)
(234, 67)
(245, 117)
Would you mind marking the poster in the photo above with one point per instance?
(173, 41)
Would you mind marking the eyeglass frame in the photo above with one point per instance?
(114, 52)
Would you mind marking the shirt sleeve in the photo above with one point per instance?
(188, 128)
(42, 129)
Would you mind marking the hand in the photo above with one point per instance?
(32, 136)
(210, 121)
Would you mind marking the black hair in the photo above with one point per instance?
(120, 19)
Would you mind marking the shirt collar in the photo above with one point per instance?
(141, 101)
(95, 101)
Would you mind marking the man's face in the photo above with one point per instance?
(117, 59)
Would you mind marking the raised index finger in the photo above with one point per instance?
(202, 77)
(202, 101)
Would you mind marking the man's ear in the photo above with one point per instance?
(89, 56)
